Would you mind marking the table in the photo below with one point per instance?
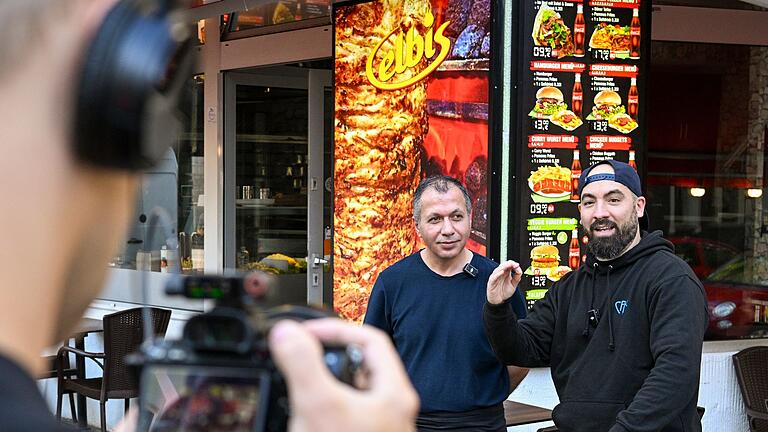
(86, 326)
(516, 413)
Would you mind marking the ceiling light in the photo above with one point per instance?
(698, 192)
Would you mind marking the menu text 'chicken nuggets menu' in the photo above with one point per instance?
(582, 94)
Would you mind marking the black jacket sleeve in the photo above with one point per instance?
(525, 342)
(678, 319)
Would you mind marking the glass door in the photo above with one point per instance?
(272, 129)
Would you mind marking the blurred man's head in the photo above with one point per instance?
(63, 219)
(442, 212)
(610, 208)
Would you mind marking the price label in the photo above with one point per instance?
(601, 54)
(539, 281)
(600, 126)
(541, 51)
(541, 209)
(541, 124)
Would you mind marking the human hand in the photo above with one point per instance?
(320, 402)
(129, 423)
(503, 282)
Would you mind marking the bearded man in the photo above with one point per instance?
(623, 333)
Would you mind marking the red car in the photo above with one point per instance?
(737, 297)
(702, 254)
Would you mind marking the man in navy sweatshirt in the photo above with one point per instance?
(431, 303)
(622, 334)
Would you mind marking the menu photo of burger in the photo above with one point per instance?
(608, 107)
(549, 30)
(549, 101)
(543, 259)
(550, 104)
(550, 184)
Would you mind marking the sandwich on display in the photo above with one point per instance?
(549, 30)
(550, 104)
(608, 106)
(549, 101)
(545, 261)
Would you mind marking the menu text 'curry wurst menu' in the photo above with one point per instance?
(582, 92)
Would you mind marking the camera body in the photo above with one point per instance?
(220, 374)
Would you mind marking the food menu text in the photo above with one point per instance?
(582, 95)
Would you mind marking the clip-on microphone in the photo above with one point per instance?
(594, 317)
(471, 270)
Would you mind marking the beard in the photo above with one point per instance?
(608, 248)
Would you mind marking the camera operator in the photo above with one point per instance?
(64, 217)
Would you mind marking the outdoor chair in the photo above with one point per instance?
(752, 373)
(123, 334)
(66, 370)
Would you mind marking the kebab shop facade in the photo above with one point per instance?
(308, 130)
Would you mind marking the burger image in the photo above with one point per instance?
(607, 105)
(543, 259)
(549, 101)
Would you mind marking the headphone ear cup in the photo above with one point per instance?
(130, 79)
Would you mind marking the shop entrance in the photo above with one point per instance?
(278, 177)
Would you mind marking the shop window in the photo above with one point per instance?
(166, 232)
(706, 167)
(276, 15)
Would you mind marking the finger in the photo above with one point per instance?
(499, 272)
(508, 265)
(516, 269)
(130, 422)
(299, 356)
(379, 354)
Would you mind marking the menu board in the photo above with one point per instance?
(412, 100)
(581, 93)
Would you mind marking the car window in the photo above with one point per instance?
(717, 255)
(741, 270)
(687, 253)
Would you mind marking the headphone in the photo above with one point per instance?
(131, 77)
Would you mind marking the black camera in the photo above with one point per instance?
(220, 376)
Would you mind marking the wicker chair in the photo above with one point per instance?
(53, 372)
(123, 333)
(752, 372)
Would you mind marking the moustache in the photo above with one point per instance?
(602, 224)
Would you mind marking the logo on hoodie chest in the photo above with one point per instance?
(621, 306)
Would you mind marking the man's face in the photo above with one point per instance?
(609, 214)
(444, 222)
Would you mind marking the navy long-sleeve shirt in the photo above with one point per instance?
(436, 324)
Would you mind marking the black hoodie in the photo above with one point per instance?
(638, 368)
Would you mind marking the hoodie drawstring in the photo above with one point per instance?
(611, 344)
(585, 333)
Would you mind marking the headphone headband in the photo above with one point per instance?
(132, 74)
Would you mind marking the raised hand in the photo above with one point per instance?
(503, 282)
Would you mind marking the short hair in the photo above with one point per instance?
(440, 183)
(24, 24)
